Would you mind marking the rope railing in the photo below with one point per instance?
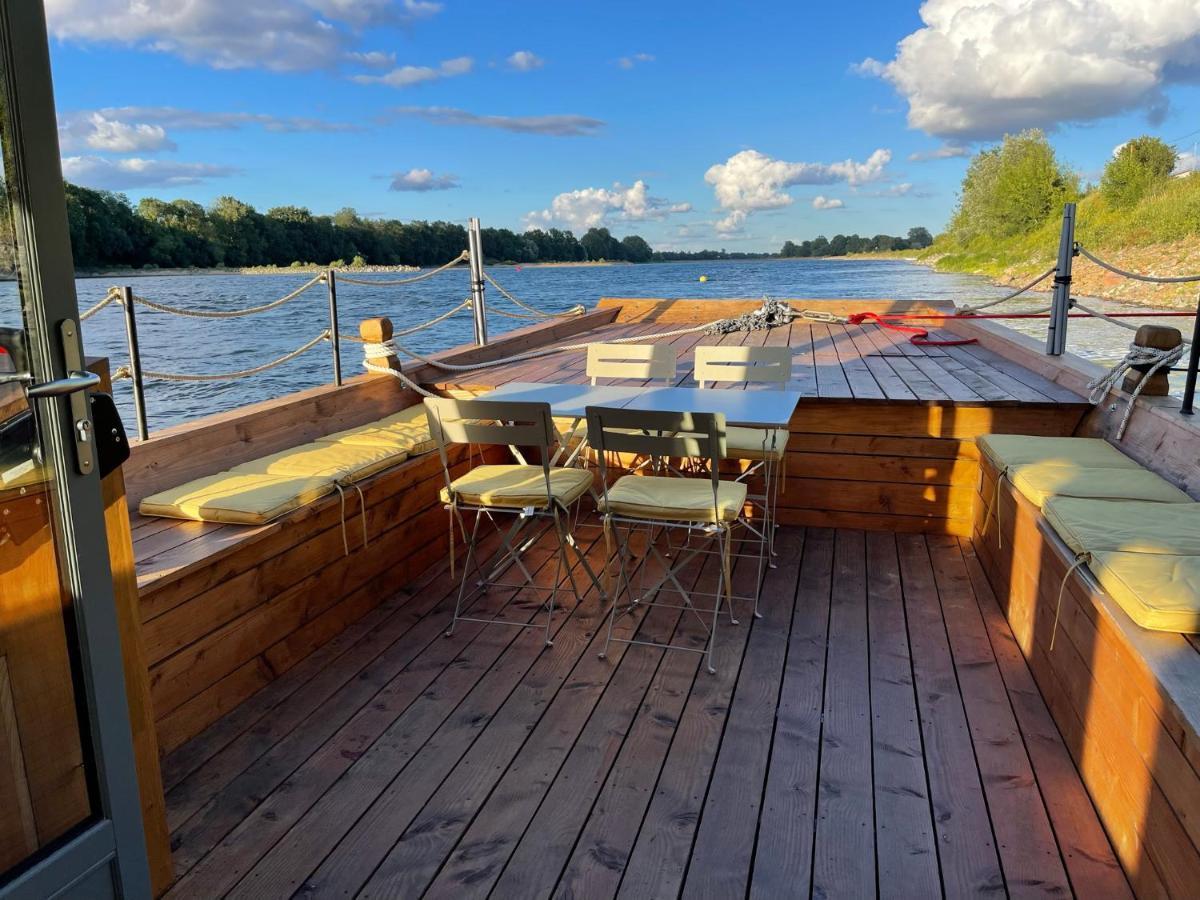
(970, 310)
(124, 371)
(576, 310)
(396, 282)
(1136, 276)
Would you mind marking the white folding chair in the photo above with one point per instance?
(764, 448)
(529, 493)
(705, 505)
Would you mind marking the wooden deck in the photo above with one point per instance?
(877, 732)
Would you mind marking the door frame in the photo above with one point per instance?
(108, 853)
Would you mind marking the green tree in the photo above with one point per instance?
(919, 238)
(635, 249)
(1138, 166)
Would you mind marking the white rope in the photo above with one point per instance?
(1153, 279)
(219, 314)
(969, 310)
(1136, 356)
(395, 282)
(576, 310)
(373, 350)
(112, 297)
(123, 371)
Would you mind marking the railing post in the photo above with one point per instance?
(334, 339)
(1056, 338)
(478, 306)
(135, 363)
(1189, 385)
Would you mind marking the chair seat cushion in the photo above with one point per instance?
(341, 462)
(755, 443)
(1127, 526)
(407, 430)
(516, 486)
(1040, 481)
(1159, 591)
(239, 499)
(1007, 450)
(674, 499)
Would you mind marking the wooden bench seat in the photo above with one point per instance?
(1126, 700)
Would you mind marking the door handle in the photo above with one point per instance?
(75, 381)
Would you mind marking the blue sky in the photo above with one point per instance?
(695, 124)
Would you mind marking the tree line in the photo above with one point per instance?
(842, 244)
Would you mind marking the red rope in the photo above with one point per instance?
(919, 336)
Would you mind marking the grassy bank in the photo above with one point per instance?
(1158, 235)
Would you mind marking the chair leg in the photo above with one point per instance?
(622, 575)
(462, 586)
(723, 540)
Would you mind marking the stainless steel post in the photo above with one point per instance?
(478, 304)
(1056, 337)
(334, 339)
(135, 363)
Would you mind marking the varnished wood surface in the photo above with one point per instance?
(874, 732)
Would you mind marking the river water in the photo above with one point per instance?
(172, 344)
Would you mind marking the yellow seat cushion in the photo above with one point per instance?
(1159, 591)
(1040, 481)
(236, 499)
(341, 462)
(1007, 450)
(1126, 526)
(674, 499)
(748, 443)
(516, 486)
(407, 430)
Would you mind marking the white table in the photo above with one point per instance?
(765, 408)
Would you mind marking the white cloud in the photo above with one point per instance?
(96, 131)
(750, 181)
(592, 207)
(820, 202)
(525, 61)
(554, 125)
(1187, 163)
(421, 180)
(372, 59)
(945, 151)
(634, 59)
(980, 68)
(407, 76)
(133, 172)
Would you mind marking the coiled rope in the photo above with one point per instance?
(395, 282)
(970, 310)
(124, 371)
(1135, 356)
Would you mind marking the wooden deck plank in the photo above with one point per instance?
(831, 378)
(905, 844)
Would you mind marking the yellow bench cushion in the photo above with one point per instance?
(1040, 481)
(1007, 450)
(748, 443)
(341, 462)
(407, 430)
(674, 499)
(516, 486)
(236, 499)
(1159, 591)
(1127, 526)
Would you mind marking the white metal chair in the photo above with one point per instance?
(705, 505)
(529, 493)
(764, 448)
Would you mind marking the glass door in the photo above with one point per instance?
(70, 822)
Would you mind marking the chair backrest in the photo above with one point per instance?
(641, 361)
(759, 365)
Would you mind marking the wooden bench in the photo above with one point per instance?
(1126, 700)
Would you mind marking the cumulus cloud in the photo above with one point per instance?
(821, 202)
(133, 172)
(372, 59)
(634, 59)
(407, 76)
(554, 125)
(592, 207)
(749, 181)
(945, 151)
(980, 68)
(96, 131)
(525, 61)
(422, 180)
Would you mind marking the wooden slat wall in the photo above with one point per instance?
(893, 467)
(1124, 699)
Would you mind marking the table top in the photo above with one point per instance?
(748, 408)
